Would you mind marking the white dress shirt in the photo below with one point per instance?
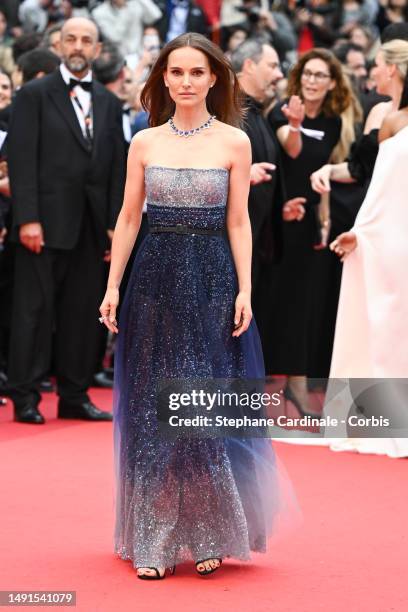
(83, 96)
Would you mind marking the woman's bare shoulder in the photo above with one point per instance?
(376, 116)
(391, 118)
(393, 123)
(148, 134)
(231, 130)
(397, 117)
(144, 140)
(233, 135)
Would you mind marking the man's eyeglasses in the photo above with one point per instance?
(320, 77)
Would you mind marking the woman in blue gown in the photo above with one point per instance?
(186, 315)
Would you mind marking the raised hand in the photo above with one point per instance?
(294, 111)
(293, 210)
(320, 179)
(31, 236)
(344, 244)
(261, 172)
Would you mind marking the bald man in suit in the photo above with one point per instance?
(67, 170)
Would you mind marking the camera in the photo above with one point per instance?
(251, 9)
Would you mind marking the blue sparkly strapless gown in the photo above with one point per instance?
(186, 498)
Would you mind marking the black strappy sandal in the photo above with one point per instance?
(208, 571)
(158, 576)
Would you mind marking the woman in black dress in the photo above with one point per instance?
(308, 127)
(351, 180)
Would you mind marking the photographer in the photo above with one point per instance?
(142, 62)
(391, 11)
(352, 12)
(121, 22)
(273, 27)
(313, 22)
(35, 15)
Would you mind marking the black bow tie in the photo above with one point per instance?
(86, 85)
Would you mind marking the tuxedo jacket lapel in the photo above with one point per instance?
(60, 96)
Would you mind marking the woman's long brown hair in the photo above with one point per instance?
(336, 100)
(224, 99)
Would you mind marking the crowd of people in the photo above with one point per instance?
(319, 78)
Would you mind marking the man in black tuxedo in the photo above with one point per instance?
(258, 68)
(67, 170)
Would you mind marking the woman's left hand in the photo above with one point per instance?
(344, 244)
(293, 210)
(243, 313)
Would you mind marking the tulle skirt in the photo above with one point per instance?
(186, 498)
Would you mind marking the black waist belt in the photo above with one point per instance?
(184, 229)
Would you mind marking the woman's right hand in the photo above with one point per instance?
(108, 309)
(344, 244)
(294, 111)
(243, 313)
(321, 179)
(261, 172)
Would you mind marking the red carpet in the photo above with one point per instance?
(56, 509)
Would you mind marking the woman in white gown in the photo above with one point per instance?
(373, 305)
(371, 328)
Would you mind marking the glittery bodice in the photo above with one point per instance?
(195, 197)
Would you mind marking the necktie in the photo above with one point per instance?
(86, 85)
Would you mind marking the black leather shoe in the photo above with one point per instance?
(102, 379)
(28, 413)
(86, 411)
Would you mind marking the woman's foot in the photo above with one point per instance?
(208, 566)
(296, 391)
(151, 573)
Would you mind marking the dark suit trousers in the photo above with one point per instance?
(56, 291)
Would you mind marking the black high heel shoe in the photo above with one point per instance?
(291, 397)
(208, 571)
(158, 575)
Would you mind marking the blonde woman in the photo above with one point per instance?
(371, 322)
(389, 74)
